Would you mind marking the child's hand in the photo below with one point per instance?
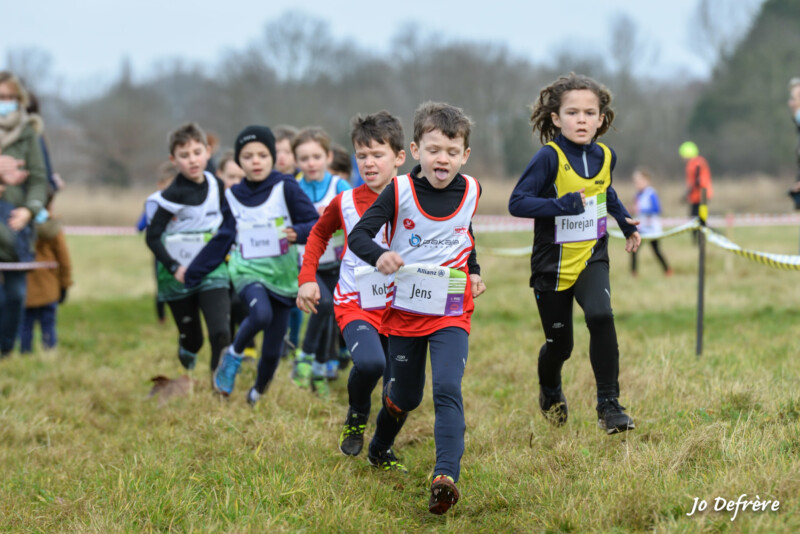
(389, 262)
(19, 218)
(308, 297)
(478, 287)
(632, 242)
(583, 196)
(180, 274)
(291, 235)
(796, 188)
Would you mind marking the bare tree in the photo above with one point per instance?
(719, 25)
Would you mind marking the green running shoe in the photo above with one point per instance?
(301, 373)
(386, 461)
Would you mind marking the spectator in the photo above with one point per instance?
(21, 160)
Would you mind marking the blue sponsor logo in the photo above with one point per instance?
(414, 240)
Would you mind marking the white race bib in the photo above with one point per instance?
(373, 287)
(335, 248)
(429, 289)
(586, 226)
(262, 240)
(185, 247)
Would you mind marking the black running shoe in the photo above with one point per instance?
(611, 416)
(351, 440)
(386, 461)
(444, 494)
(554, 408)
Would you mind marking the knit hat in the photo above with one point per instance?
(262, 134)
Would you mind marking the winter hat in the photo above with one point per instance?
(262, 134)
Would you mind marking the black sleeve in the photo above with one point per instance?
(472, 261)
(360, 239)
(158, 226)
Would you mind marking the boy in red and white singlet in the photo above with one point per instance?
(436, 275)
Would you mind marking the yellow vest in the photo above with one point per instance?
(573, 256)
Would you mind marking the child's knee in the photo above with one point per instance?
(371, 368)
(400, 407)
(448, 391)
(558, 348)
(599, 319)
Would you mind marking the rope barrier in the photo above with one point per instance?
(778, 261)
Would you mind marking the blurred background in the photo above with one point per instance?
(113, 80)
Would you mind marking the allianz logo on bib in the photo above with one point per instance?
(439, 272)
(416, 241)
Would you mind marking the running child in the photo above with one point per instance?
(567, 189)
(264, 215)
(312, 151)
(648, 211)
(378, 143)
(181, 218)
(436, 275)
(284, 163)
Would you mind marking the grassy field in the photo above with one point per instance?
(83, 449)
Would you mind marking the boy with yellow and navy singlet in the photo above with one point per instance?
(567, 189)
(436, 276)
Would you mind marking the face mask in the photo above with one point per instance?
(8, 106)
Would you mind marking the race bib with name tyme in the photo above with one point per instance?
(263, 240)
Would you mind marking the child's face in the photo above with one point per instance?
(231, 174)
(639, 181)
(377, 164)
(440, 157)
(579, 116)
(794, 99)
(284, 157)
(313, 160)
(256, 161)
(191, 159)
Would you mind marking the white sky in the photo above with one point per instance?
(88, 38)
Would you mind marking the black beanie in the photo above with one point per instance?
(262, 134)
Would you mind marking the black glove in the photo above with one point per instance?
(63, 296)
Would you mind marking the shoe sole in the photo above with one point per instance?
(444, 498)
(616, 429)
(352, 454)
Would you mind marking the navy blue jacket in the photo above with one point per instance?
(252, 194)
(534, 195)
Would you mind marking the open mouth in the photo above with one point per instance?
(441, 173)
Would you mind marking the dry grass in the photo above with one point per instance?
(82, 450)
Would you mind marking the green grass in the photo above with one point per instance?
(83, 449)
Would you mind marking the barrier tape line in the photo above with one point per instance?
(28, 265)
(687, 227)
(778, 261)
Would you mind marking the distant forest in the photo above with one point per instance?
(298, 73)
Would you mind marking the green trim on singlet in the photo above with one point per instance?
(170, 289)
(277, 273)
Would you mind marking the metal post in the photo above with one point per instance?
(701, 271)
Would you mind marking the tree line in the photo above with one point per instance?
(298, 73)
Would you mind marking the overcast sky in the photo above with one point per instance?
(88, 38)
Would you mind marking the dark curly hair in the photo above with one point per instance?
(550, 102)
